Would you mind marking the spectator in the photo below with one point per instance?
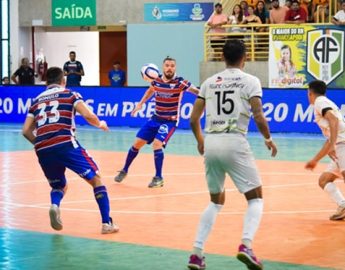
(5, 80)
(339, 17)
(73, 70)
(261, 12)
(244, 6)
(25, 74)
(252, 18)
(296, 14)
(278, 13)
(117, 76)
(288, 3)
(237, 18)
(215, 22)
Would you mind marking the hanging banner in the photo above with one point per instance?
(299, 54)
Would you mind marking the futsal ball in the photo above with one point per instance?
(149, 72)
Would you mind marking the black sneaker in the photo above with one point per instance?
(156, 182)
(122, 175)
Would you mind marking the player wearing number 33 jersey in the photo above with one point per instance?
(49, 126)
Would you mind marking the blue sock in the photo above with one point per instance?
(102, 199)
(56, 196)
(132, 153)
(159, 156)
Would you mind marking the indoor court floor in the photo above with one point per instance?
(157, 226)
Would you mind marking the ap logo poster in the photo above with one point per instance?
(299, 54)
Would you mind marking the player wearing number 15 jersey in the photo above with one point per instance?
(49, 126)
(230, 97)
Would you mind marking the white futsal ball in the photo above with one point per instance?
(149, 72)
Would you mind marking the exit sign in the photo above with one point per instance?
(73, 12)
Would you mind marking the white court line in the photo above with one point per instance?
(43, 180)
(286, 212)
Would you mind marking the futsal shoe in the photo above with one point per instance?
(122, 175)
(55, 221)
(246, 256)
(196, 263)
(339, 214)
(110, 227)
(156, 182)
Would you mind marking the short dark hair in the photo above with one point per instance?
(318, 87)
(168, 58)
(116, 63)
(218, 5)
(72, 52)
(295, 1)
(234, 50)
(54, 75)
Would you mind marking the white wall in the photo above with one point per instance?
(57, 45)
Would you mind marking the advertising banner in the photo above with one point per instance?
(178, 12)
(299, 54)
(285, 110)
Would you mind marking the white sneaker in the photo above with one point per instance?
(110, 227)
(339, 214)
(54, 214)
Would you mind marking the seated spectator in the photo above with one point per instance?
(5, 81)
(117, 77)
(25, 74)
(237, 18)
(278, 13)
(296, 14)
(251, 18)
(215, 22)
(244, 6)
(261, 12)
(339, 17)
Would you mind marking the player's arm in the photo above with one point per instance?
(28, 129)
(261, 123)
(193, 89)
(89, 116)
(197, 111)
(148, 94)
(328, 147)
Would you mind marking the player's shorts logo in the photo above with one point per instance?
(325, 57)
(163, 129)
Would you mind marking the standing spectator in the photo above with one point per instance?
(25, 74)
(215, 22)
(278, 13)
(5, 81)
(296, 14)
(339, 17)
(73, 70)
(237, 18)
(117, 76)
(244, 6)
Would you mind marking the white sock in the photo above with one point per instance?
(252, 220)
(205, 226)
(335, 193)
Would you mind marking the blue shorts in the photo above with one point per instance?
(159, 129)
(55, 162)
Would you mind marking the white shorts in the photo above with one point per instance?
(338, 167)
(230, 153)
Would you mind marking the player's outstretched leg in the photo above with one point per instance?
(131, 155)
(55, 220)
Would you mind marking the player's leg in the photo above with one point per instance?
(145, 135)
(163, 133)
(243, 172)
(131, 155)
(215, 176)
(79, 161)
(55, 174)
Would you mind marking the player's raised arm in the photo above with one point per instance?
(90, 117)
(261, 123)
(148, 94)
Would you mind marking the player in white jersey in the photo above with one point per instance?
(230, 97)
(332, 124)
